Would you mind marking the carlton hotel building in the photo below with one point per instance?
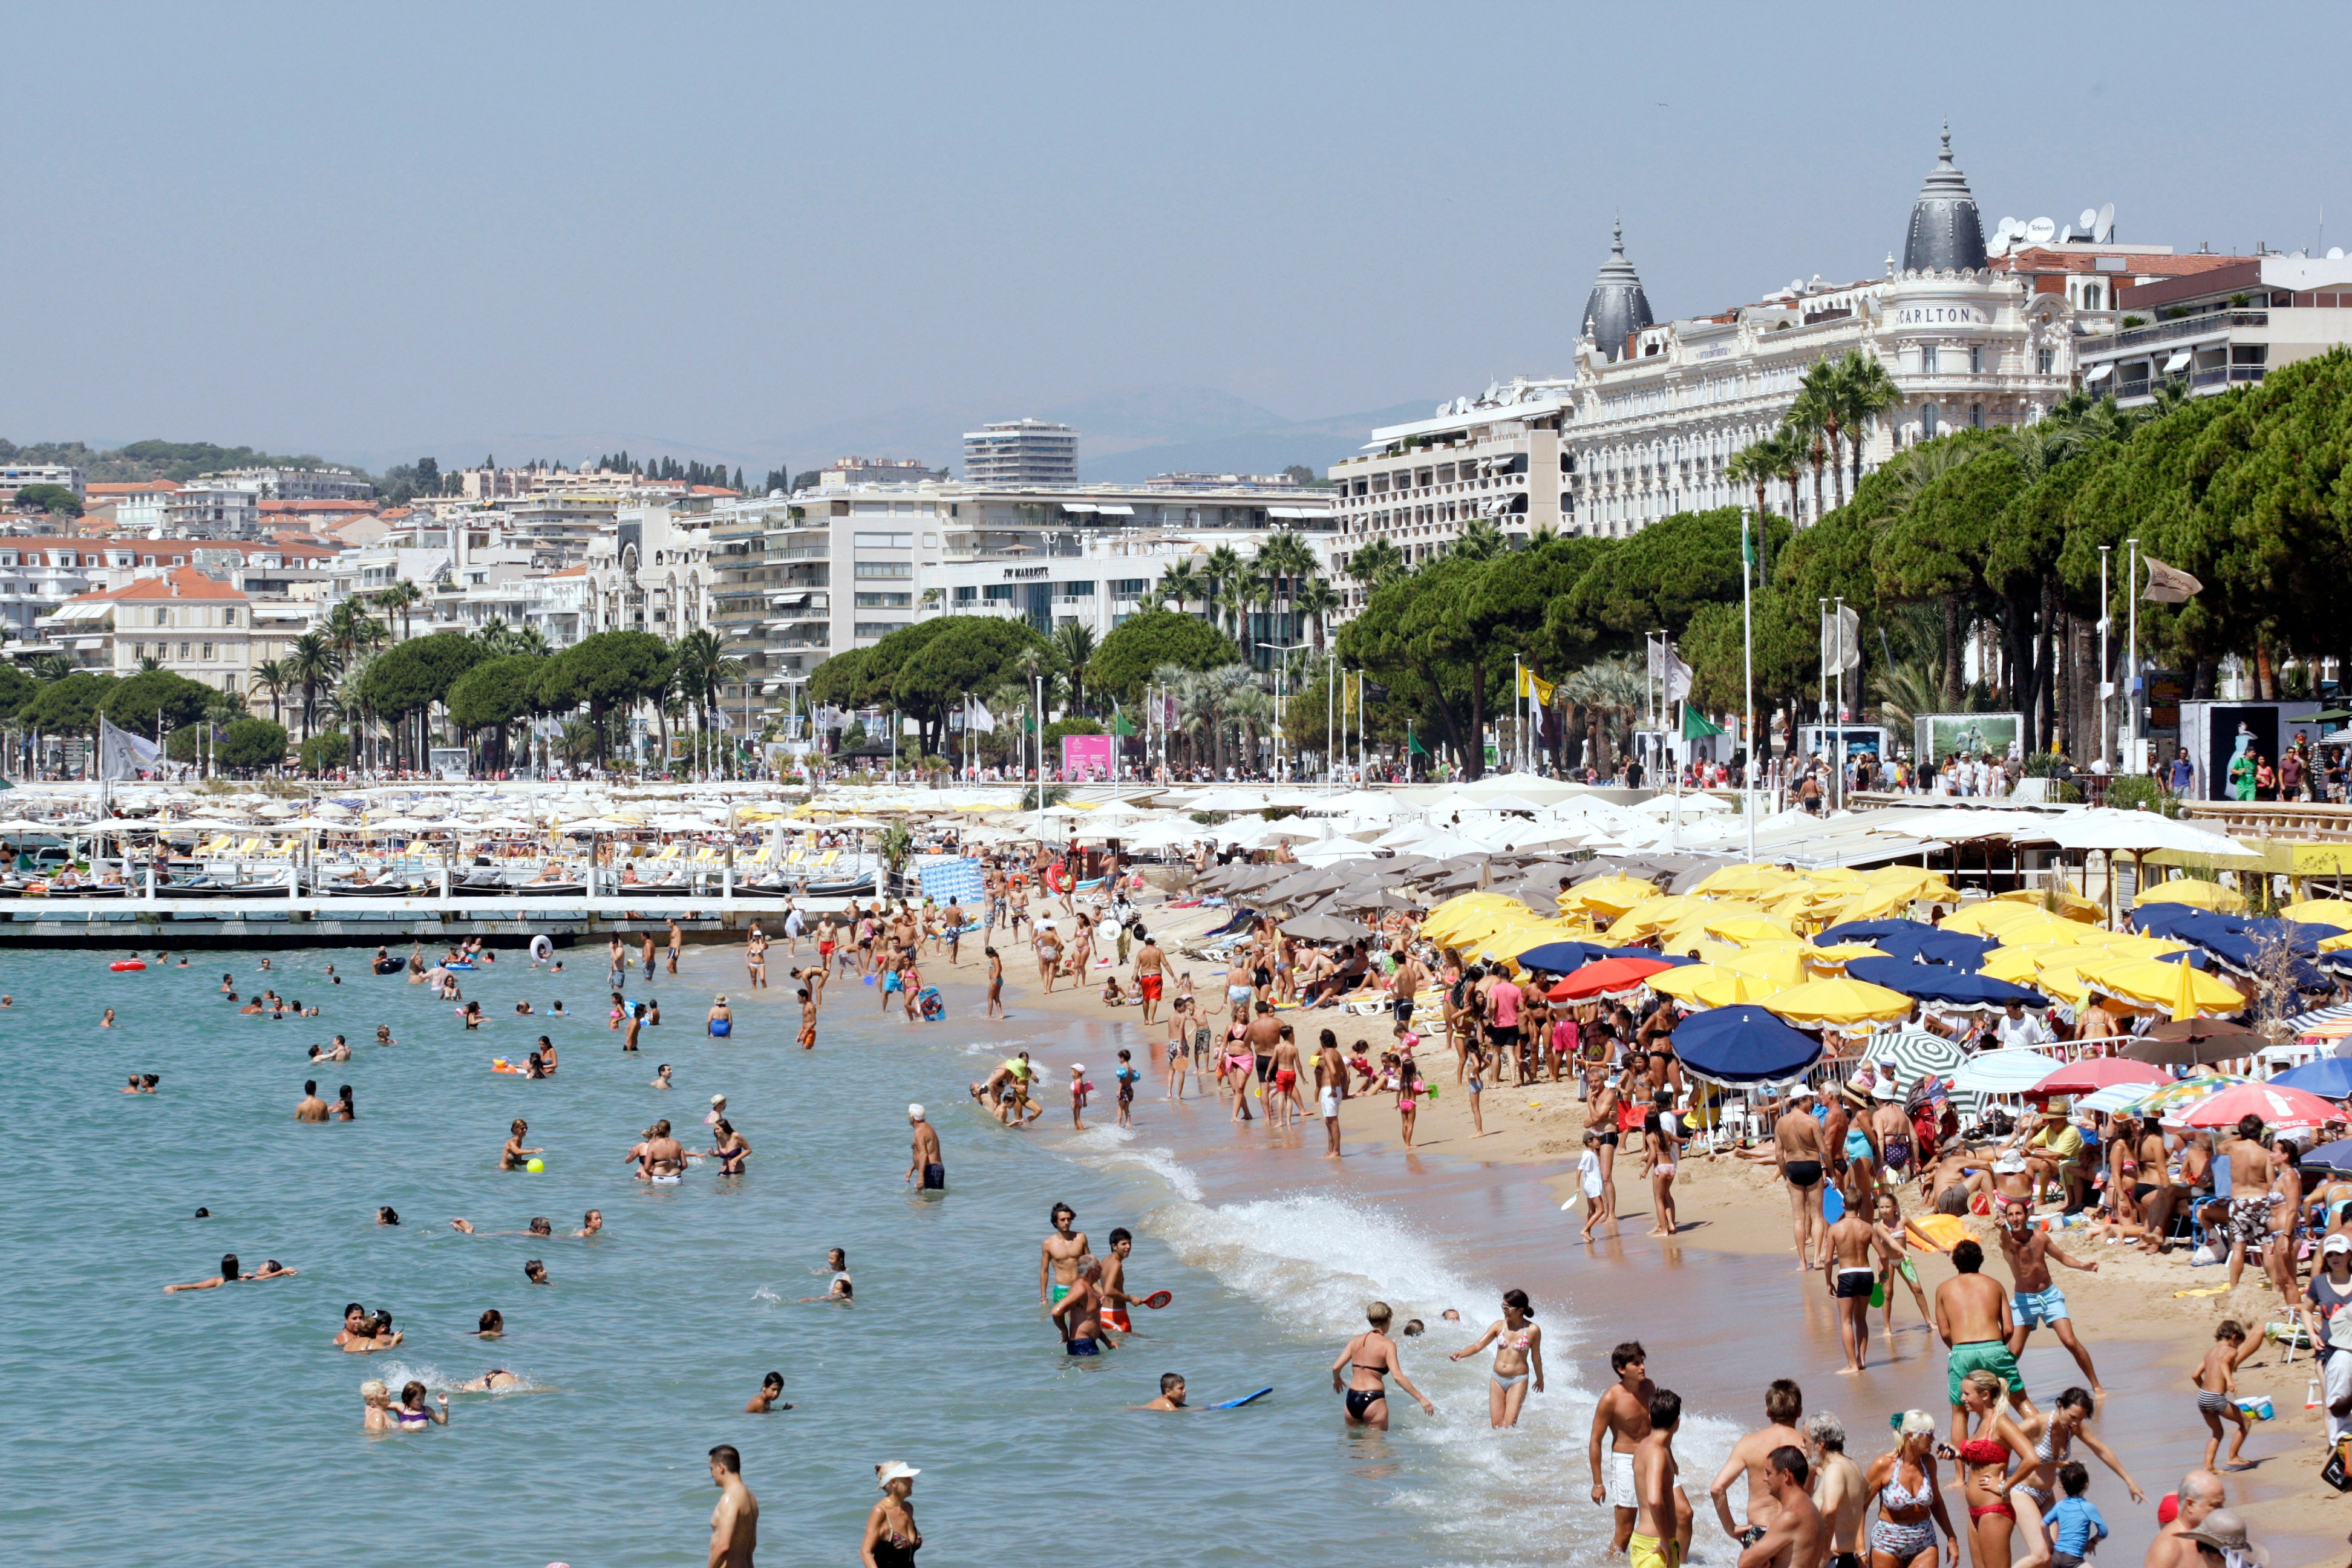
(1648, 423)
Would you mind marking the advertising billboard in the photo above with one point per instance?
(1941, 736)
(1086, 757)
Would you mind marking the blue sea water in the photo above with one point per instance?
(222, 1426)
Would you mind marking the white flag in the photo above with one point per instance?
(1841, 639)
(2169, 585)
(1677, 677)
(980, 721)
(121, 754)
(1656, 655)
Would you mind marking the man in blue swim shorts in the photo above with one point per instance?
(2037, 1301)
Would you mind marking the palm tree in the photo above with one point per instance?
(1284, 559)
(272, 676)
(1075, 641)
(401, 599)
(1482, 541)
(1178, 586)
(149, 663)
(1863, 392)
(312, 663)
(1819, 396)
(1788, 451)
(1376, 563)
(1752, 465)
(1317, 599)
(1808, 422)
(1222, 571)
(350, 628)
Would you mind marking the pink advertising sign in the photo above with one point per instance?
(1086, 757)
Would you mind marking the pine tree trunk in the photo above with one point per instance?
(1951, 653)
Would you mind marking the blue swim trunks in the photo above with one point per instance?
(2040, 1309)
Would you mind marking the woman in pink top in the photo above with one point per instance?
(1502, 1026)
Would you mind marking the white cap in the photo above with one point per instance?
(914, 1113)
(1078, 1067)
(2337, 1243)
(718, 1100)
(896, 1470)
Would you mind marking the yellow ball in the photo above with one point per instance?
(536, 1166)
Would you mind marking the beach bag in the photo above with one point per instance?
(2335, 1472)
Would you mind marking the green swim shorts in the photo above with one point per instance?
(1988, 1355)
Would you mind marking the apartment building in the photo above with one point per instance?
(14, 477)
(213, 508)
(1021, 452)
(301, 484)
(143, 507)
(1648, 421)
(2222, 327)
(193, 624)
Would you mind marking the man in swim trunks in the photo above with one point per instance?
(2252, 1169)
(1059, 1257)
(1850, 1265)
(1078, 1313)
(1624, 1412)
(735, 1521)
(1331, 1089)
(1654, 1542)
(1265, 1034)
(2039, 1303)
(1114, 1299)
(927, 1159)
(1784, 1403)
(1972, 1318)
(1797, 1150)
(1150, 975)
(1284, 1108)
(808, 1020)
(1794, 1538)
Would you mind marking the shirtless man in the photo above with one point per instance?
(1624, 1412)
(1751, 1455)
(1331, 1089)
(927, 1159)
(1973, 1320)
(2252, 1168)
(1654, 1543)
(676, 941)
(1060, 1257)
(807, 1036)
(2038, 1303)
(1113, 1286)
(735, 1522)
(1078, 1314)
(1797, 1150)
(2200, 1494)
(1404, 987)
(1793, 1539)
(1850, 1269)
(312, 1108)
(1841, 1490)
(1265, 1034)
(1150, 975)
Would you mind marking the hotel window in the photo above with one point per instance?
(163, 618)
(1976, 414)
(208, 653)
(2045, 360)
(184, 650)
(885, 601)
(1927, 421)
(966, 595)
(1927, 357)
(1976, 359)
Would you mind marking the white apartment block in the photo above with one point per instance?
(1021, 452)
(1653, 413)
(14, 477)
(2214, 329)
(300, 484)
(214, 508)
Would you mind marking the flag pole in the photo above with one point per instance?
(1748, 682)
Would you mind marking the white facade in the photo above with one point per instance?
(214, 508)
(1021, 452)
(14, 477)
(300, 484)
(2222, 327)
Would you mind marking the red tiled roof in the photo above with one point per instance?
(144, 486)
(179, 583)
(2048, 258)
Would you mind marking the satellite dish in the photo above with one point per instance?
(1998, 245)
(2040, 231)
(2089, 221)
(2066, 235)
(2335, 253)
(2010, 228)
(2104, 230)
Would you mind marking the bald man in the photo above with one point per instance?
(2200, 1493)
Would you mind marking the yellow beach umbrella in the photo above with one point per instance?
(1706, 986)
(1512, 941)
(2321, 911)
(1656, 914)
(2071, 906)
(2175, 988)
(1611, 895)
(1837, 956)
(1839, 1004)
(1472, 914)
(2039, 927)
(2131, 944)
(1747, 927)
(1918, 880)
(1989, 918)
(1743, 879)
(2194, 891)
(1868, 904)
(2019, 965)
(1782, 966)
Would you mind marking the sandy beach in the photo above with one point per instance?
(1495, 1199)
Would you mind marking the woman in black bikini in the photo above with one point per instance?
(1370, 1359)
(729, 1149)
(891, 1538)
(1519, 1357)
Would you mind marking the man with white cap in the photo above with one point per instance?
(927, 1158)
(2328, 1293)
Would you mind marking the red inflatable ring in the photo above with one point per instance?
(126, 964)
(1058, 879)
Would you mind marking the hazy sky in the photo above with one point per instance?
(374, 231)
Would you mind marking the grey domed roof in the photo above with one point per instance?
(1946, 233)
(1617, 305)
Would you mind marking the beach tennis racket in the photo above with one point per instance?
(1156, 1301)
(1244, 1399)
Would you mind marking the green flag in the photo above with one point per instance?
(1413, 744)
(1119, 724)
(1747, 545)
(1697, 726)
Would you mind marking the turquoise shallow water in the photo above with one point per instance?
(222, 1425)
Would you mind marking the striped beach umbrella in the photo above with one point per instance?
(1910, 1055)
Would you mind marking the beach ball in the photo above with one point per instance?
(536, 1166)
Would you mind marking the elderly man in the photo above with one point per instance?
(2200, 1496)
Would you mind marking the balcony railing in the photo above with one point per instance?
(2183, 326)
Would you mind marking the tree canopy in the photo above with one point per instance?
(1124, 662)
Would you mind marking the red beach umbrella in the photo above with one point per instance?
(2276, 1105)
(1607, 978)
(2093, 1073)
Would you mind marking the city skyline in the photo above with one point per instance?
(538, 242)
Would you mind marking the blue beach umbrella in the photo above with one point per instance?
(1742, 1044)
(1943, 983)
(2330, 1078)
(2336, 1158)
(1561, 957)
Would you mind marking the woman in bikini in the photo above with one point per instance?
(1517, 1359)
(1910, 1504)
(2054, 1433)
(1665, 1147)
(891, 1538)
(728, 1149)
(1368, 1360)
(1236, 1064)
(1986, 1480)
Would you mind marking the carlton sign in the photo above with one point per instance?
(1931, 315)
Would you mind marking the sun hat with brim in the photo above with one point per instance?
(2226, 1533)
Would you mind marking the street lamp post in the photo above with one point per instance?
(1281, 690)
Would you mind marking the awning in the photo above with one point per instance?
(1080, 506)
(787, 601)
(2178, 362)
(1115, 510)
(2097, 371)
(1294, 511)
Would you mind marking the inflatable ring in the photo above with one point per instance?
(1058, 879)
(500, 1063)
(127, 964)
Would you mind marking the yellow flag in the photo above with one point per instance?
(1535, 686)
